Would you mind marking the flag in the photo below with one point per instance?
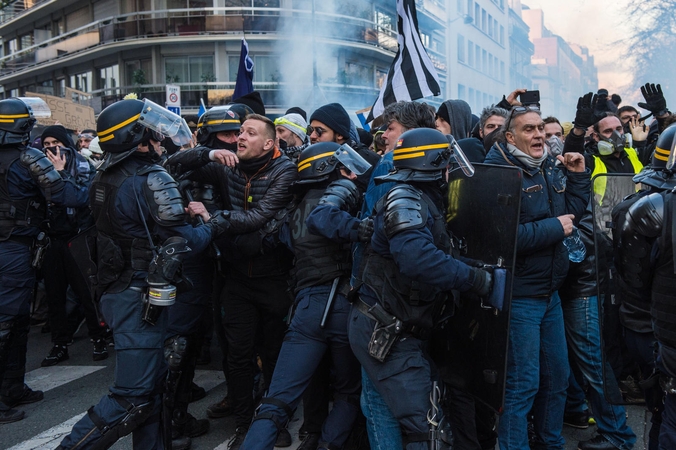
(202, 109)
(412, 74)
(361, 115)
(244, 83)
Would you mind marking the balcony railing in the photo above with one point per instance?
(202, 22)
(18, 8)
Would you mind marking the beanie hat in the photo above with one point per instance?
(294, 123)
(335, 117)
(297, 110)
(253, 100)
(443, 113)
(59, 133)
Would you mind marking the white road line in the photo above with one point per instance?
(50, 438)
(48, 378)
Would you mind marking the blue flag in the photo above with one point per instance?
(244, 83)
(202, 109)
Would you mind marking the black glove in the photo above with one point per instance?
(586, 105)
(654, 99)
(219, 223)
(483, 282)
(365, 230)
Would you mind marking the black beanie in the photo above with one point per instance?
(59, 133)
(443, 113)
(296, 110)
(335, 117)
(253, 100)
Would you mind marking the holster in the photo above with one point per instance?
(382, 340)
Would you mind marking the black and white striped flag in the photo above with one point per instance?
(412, 75)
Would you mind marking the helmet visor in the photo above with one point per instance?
(38, 107)
(352, 160)
(165, 122)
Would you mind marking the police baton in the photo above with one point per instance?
(329, 302)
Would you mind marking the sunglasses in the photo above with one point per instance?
(517, 111)
(317, 130)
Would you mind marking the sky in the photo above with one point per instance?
(599, 25)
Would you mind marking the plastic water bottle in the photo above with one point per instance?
(576, 249)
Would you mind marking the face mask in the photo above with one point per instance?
(614, 144)
(555, 146)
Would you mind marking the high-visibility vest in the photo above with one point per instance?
(600, 167)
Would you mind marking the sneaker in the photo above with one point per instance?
(283, 438)
(100, 349)
(577, 420)
(181, 443)
(197, 392)
(9, 415)
(236, 441)
(598, 442)
(190, 427)
(27, 396)
(310, 442)
(220, 409)
(58, 354)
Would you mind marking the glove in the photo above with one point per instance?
(586, 105)
(483, 282)
(654, 99)
(365, 230)
(219, 223)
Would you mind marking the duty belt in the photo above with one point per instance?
(378, 313)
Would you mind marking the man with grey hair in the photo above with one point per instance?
(492, 118)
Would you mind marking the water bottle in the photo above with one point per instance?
(575, 246)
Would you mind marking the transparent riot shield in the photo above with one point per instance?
(483, 216)
(609, 189)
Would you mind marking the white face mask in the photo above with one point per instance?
(554, 146)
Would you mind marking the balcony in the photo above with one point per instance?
(206, 24)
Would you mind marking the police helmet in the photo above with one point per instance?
(214, 121)
(318, 161)
(118, 126)
(241, 109)
(16, 121)
(420, 154)
(664, 148)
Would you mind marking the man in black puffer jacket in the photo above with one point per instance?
(257, 180)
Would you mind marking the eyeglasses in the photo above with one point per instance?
(317, 130)
(517, 111)
(86, 136)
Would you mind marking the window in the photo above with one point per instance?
(490, 25)
(26, 41)
(502, 71)
(425, 39)
(502, 35)
(266, 68)
(137, 72)
(381, 77)
(484, 61)
(358, 74)
(78, 18)
(109, 77)
(470, 53)
(461, 48)
(11, 46)
(384, 20)
(82, 81)
(477, 14)
(484, 22)
(461, 92)
(189, 69)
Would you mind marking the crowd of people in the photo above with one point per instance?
(323, 259)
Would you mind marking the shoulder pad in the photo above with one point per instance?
(342, 194)
(646, 215)
(42, 170)
(404, 209)
(164, 198)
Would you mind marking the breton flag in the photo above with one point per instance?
(412, 75)
(244, 83)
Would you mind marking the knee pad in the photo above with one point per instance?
(275, 418)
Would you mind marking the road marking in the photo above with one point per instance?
(50, 438)
(48, 378)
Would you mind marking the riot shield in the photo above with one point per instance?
(483, 215)
(609, 189)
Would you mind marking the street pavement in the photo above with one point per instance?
(72, 386)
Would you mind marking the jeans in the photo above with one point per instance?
(537, 374)
(581, 318)
(383, 429)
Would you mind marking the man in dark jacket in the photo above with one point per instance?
(552, 197)
(254, 295)
(492, 118)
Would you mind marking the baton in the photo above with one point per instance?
(329, 301)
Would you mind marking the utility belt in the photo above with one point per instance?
(388, 329)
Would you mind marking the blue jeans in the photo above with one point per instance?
(581, 318)
(537, 374)
(382, 427)
(304, 346)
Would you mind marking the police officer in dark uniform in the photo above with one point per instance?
(137, 208)
(406, 273)
(321, 244)
(28, 181)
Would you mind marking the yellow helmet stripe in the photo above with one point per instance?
(14, 116)
(306, 162)
(411, 155)
(662, 154)
(117, 127)
(422, 147)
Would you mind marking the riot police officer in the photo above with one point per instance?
(28, 181)
(137, 207)
(320, 241)
(405, 276)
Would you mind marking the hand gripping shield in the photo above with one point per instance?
(483, 216)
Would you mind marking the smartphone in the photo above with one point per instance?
(529, 98)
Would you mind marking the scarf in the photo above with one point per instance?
(526, 159)
(251, 166)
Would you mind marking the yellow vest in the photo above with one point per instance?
(600, 167)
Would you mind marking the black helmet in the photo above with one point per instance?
(241, 109)
(664, 148)
(659, 174)
(420, 154)
(318, 161)
(214, 121)
(16, 121)
(118, 126)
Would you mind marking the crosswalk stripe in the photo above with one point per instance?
(46, 378)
